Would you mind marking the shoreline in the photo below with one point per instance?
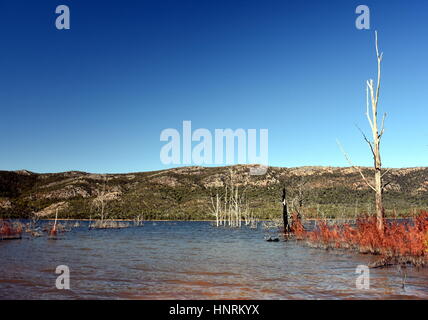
(197, 220)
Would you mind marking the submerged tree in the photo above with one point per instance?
(100, 200)
(235, 206)
(372, 97)
(377, 135)
(285, 211)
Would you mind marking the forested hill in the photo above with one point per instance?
(184, 193)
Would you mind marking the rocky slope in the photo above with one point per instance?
(184, 193)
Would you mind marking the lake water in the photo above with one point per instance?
(191, 260)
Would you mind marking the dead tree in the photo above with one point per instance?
(377, 135)
(285, 212)
(235, 205)
(377, 132)
(297, 202)
(100, 200)
(216, 210)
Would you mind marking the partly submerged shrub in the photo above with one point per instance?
(399, 239)
(297, 227)
(8, 229)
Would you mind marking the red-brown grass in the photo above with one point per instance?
(400, 241)
(297, 227)
(8, 230)
(53, 232)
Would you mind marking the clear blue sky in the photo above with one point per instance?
(96, 97)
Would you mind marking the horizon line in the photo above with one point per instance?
(207, 167)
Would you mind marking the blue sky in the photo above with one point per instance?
(96, 97)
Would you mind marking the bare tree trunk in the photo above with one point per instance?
(103, 194)
(235, 207)
(56, 218)
(285, 212)
(379, 202)
(374, 146)
(225, 206)
(372, 117)
(102, 210)
(217, 209)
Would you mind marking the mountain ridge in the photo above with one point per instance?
(184, 192)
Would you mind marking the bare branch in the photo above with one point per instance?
(377, 48)
(367, 107)
(382, 130)
(389, 169)
(367, 140)
(355, 167)
(370, 84)
(385, 185)
(379, 60)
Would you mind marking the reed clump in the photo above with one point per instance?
(400, 241)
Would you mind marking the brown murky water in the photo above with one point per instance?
(191, 260)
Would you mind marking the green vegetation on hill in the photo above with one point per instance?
(184, 193)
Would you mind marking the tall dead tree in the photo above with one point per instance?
(216, 209)
(377, 135)
(297, 202)
(372, 97)
(100, 200)
(285, 212)
(236, 204)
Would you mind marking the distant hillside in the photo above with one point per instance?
(184, 193)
